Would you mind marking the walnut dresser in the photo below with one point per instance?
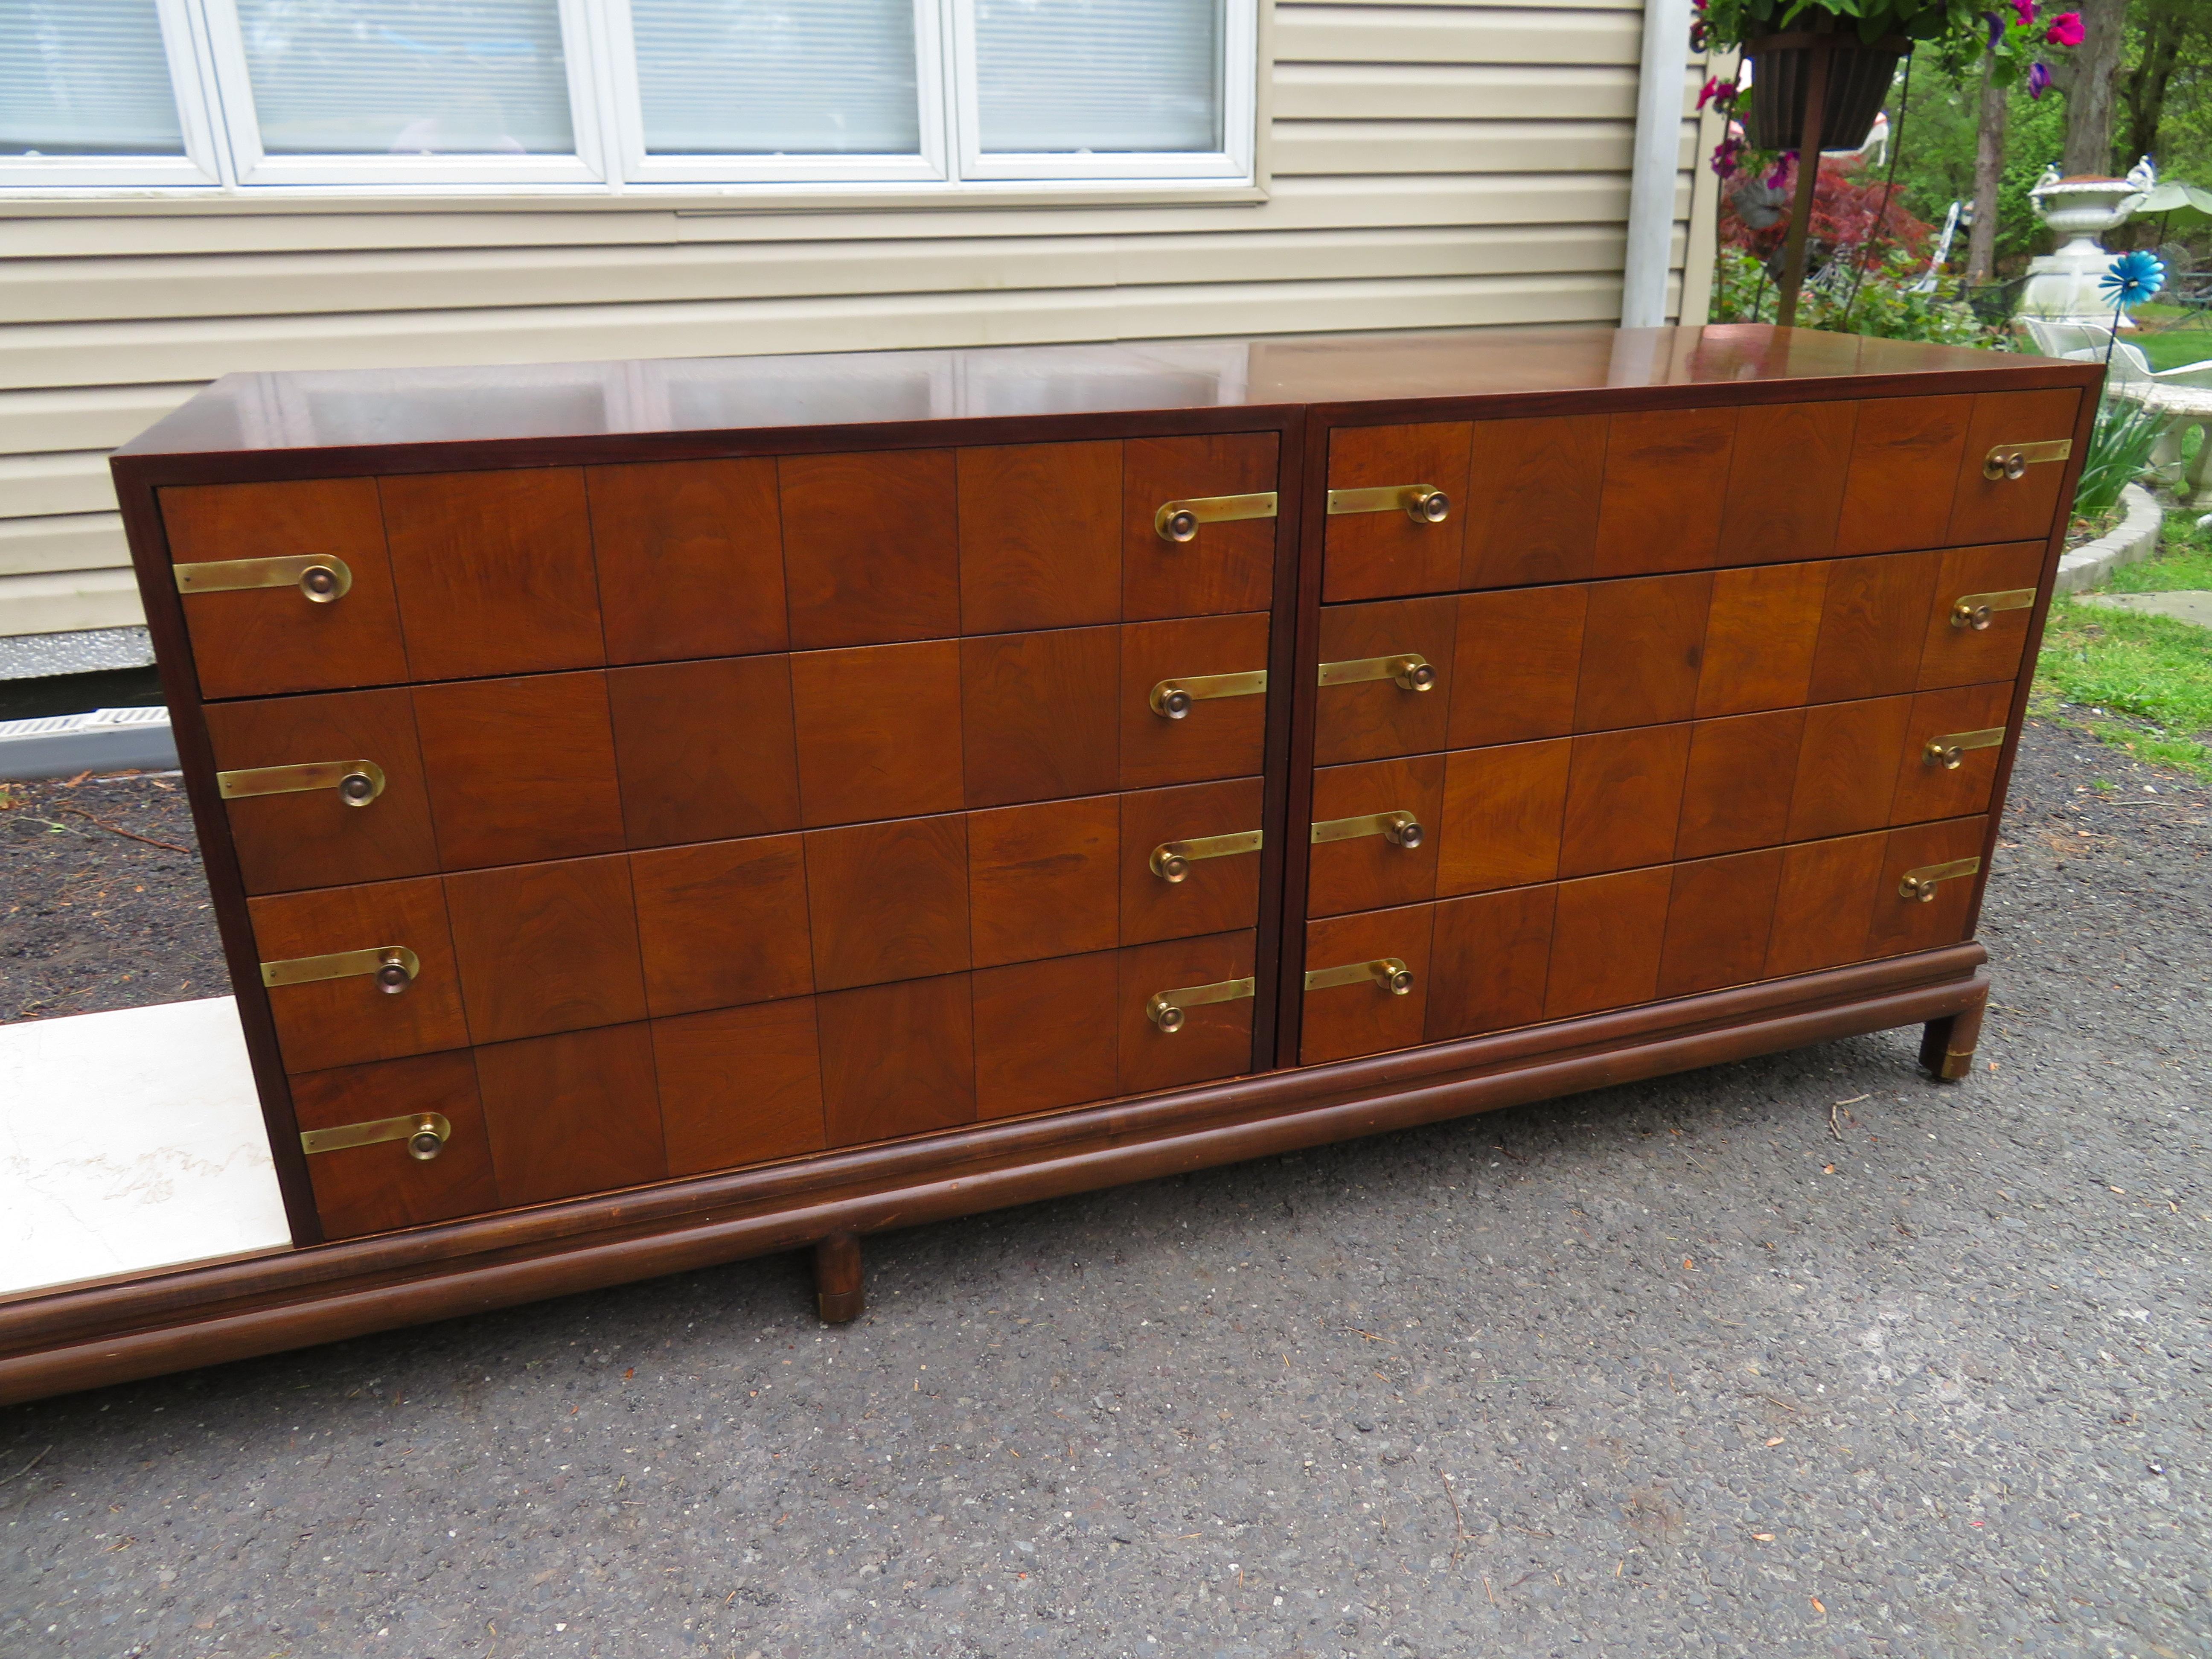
(664, 811)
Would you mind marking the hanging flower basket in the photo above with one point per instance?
(1859, 77)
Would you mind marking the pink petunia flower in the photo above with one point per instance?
(2025, 10)
(2066, 30)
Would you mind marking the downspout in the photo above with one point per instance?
(1657, 163)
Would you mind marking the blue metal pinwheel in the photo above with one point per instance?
(2133, 278)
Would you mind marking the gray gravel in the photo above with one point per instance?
(1669, 1369)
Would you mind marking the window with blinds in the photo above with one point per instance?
(316, 94)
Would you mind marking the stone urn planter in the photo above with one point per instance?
(2063, 286)
(1859, 77)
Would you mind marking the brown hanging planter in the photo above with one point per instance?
(1859, 77)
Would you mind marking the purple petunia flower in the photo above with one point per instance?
(2039, 80)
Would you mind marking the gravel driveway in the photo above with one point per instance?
(1806, 1355)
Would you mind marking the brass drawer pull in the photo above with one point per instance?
(1921, 884)
(1171, 699)
(1165, 1008)
(357, 782)
(1949, 750)
(1422, 503)
(1387, 972)
(1172, 859)
(1398, 829)
(425, 1133)
(322, 577)
(1178, 521)
(2013, 460)
(1974, 609)
(393, 965)
(1410, 670)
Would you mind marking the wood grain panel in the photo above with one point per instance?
(1044, 880)
(257, 642)
(1220, 895)
(1872, 622)
(1719, 913)
(1047, 1035)
(1039, 536)
(1606, 939)
(896, 1060)
(1488, 958)
(311, 837)
(1220, 737)
(1824, 904)
(1369, 872)
(1905, 455)
(740, 1086)
(1643, 649)
(1535, 516)
(1374, 719)
(1624, 799)
(1847, 767)
(1038, 716)
(547, 947)
(2011, 509)
(1925, 788)
(519, 769)
(493, 571)
(1660, 510)
(1517, 662)
(878, 732)
(1340, 1021)
(691, 559)
(579, 1112)
(888, 900)
(345, 1022)
(871, 550)
(1785, 483)
(722, 923)
(1216, 1040)
(1503, 810)
(374, 1189)
(1370, 555)
(1968, 656)
(1761, 634)
(1901, 924)
(1735, 793)
(1230, 566)
(705, 751)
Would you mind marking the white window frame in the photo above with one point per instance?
(206, 53)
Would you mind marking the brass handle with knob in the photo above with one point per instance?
(1165, 1008)
(1921, 884)
(1974, 611)
(1171, 700)
(1178, 521)
(425, 1133)
(322, 577)
(1409, 670)
(357, 782)
(1398, 829)
(1172, 859)
(1387, 973)
(394, 967)
(2011, 461)
(1949, 750)
(1422, 503)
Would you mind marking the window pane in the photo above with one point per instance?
(765, 77)
(1061, 75)
(407, 77)
(85, 77)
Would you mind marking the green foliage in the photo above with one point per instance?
(2183, 563)
(1936, 166)
(1728, 22)
(1743, 293)
(2119, 448)
(2152, 667)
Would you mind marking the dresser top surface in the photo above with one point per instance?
(388, 410)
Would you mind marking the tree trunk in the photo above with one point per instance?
(1989, 172)
(2089, 100)
(2164, 30)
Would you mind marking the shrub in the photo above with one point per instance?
(2119, 448)
(1885, 304)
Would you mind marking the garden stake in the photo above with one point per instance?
(1808, 149)
(1888, 191)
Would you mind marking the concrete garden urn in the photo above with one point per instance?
(2063, 286)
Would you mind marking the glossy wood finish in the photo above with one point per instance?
(1230, 566)
(1926, 789)
(1534, 517)
(1643, 645)
(1038, 714)
(1874, 621)
(1901, 924)
(520, 770)
(896, 1060)
(690, 555)
(546, 947)
(1044, 880)
(1503, 810)
(1218, 895)
(1489, 957)
(888, 900)
(576, 1112)
(739, 1085)
(1364, 1017)
(374, 1189)
(1847, 765)
(1624, 799)
(1039, 536)
(1785, 483)
(1220, 737)
(1739, 783)
(1047, 1034)
(345, 1022)
(1761, 631)
(1964, 656)
(2011, 509)
(840, 1295)
(263, 640)
(871, 547)
(1371, 872)
(705, 751)
(1368, 555)
(1905, 459)
(1824, 903)
(1517, 665)
(1372, 720)
(1660, 510)
(1607, 936)
(1216, 1040)
(1720, 914)
(722, 923)
(878, 732)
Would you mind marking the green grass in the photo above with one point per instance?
(2183, 562)
(2173, 347)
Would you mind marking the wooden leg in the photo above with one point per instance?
(837, 1290)
(1947, 1045)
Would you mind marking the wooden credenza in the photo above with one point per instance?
(736, 804)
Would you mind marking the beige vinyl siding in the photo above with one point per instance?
(1426, 164)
